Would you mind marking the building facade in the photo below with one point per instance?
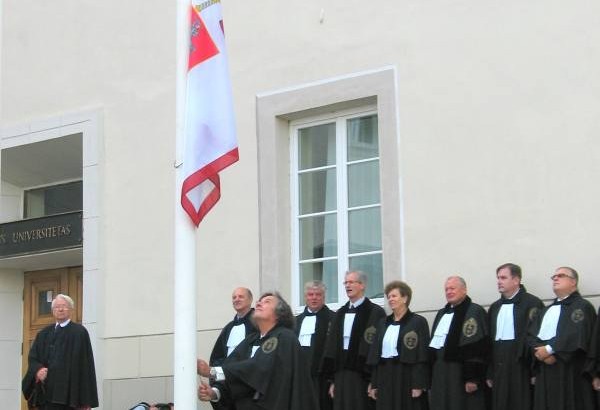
(412, 140)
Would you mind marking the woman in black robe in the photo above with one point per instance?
(398, 356)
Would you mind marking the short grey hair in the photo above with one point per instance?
(573, 272)
(66, 298)
(362, 276)
(315, 284)
(459, 278)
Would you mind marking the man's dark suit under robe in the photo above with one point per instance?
(220, 349)
(219, 352)
(510, 368)
(593, 365)
(313, 354)
(461, 359)
(562, 385)
(67, 353)
(348, 368)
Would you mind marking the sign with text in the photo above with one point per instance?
(49, 233)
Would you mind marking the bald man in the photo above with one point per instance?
(234, 332)
(459, 348)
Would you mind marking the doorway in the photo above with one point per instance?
(39, 289)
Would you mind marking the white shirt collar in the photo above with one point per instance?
(357, 303)
(63, 324)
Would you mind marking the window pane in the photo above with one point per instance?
(34, 204)
(317, 191)
(54, 200)
(364, 230)
(363, 141)
(363, 183)
(372, 266)
(325, 271)
(318, 237)
(64, 198)
(316, 146)
(44, 302)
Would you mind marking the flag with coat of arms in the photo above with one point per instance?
(210, 136)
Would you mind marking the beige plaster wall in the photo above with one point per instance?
(498, 148)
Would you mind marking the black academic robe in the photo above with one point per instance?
(219, 352)
(563, 385)
(462, 359)
(394, 378)
(510, 367)
(275, 378)
(593, 362)
(348, 368)
(314, 353)
(67, 353)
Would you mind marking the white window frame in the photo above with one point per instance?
(342, 208)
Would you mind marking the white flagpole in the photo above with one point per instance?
(184, 341)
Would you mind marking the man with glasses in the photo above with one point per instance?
(61, 373)
(559, 341)
(352, 331)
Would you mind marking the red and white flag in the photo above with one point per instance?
(210, 137)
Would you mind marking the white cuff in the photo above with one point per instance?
(219, 374)
(218, 393)
(549, 349)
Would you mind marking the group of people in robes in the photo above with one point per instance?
(520, 354)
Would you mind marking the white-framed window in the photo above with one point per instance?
(336, 202)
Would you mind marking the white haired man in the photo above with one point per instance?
(312, 327)
(61, 373)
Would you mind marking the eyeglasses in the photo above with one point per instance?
(560, 276)
(61, 308)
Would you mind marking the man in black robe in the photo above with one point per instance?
(510, 317)
(236, 330)
(312, 327)
(351, 333)
(61, 373)
(560, 340)
(459, 345)
(593, 366)
(266, 370)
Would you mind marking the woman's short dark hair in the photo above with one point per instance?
(402, 287)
